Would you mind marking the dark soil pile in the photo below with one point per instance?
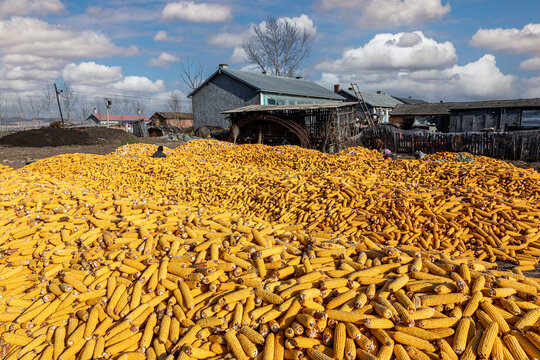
(51, 136)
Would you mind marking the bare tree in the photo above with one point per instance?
(99, 107)
(85, 110)
(193, 73)
(278, 46)
(4, 105)
(35, 107)
(69, 100)
(48, 99)
(20, 109)
(124, 105)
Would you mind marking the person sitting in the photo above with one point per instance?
(159, 153)
(387, 154)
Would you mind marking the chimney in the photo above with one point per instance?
(379, 92)
(223, 66)
(299, 78)
(266, 73)
(337, 87)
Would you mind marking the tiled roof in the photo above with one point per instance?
(172, 115)
(422, 109)
(120, 118)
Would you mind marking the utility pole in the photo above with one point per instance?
(58, 92)
(108, 105)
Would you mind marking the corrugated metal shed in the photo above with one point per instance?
(277, 84)
(495, 104)
(258, 108)
(376, 100)
(445, 108)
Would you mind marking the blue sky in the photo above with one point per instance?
(430, 49)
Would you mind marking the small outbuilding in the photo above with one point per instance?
(176, 119)
(406, 115)
(129, 123)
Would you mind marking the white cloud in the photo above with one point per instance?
(531, 64)
(302, 22)
(163, 60)
(163, 36)
(92, 78)
(35, 52)
(238, 56)
(139, 84)
(412, 51)
(524, 41)
(235, 40)
(90, 73)
(26, 7)
(481, 79)
(229, 40)
(35, 37)
(189, 11)
(533, 88)
(386, 13)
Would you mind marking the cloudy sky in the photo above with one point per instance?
(430, 49)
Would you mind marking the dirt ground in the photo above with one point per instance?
(16, 157)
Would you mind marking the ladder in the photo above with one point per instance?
(363, 106)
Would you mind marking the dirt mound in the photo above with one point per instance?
(50, 136)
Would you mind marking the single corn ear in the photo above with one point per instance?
(340, 336)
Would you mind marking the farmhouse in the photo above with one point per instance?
(128, 123)
(228, 89)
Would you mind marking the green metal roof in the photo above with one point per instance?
(277, 85)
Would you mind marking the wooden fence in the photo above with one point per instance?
(516, 145)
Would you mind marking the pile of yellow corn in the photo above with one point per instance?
(489, 211)
(223, 251)
(448, 156)
(139, 150)
(4, 168)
